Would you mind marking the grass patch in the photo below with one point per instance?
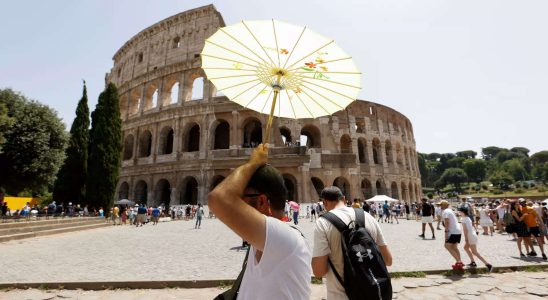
(226, 284)
(316, 280)
(416, 274)
(533, 268)
(43, 286)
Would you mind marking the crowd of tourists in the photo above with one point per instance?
(50, 210)
(141, 214)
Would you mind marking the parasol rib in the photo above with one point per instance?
(259, 43)
(324, 72)
(323, 96)
(237, 53)
(229, 69)
(323, 63)
(227, 59)
(294, 46)
(264, 105)
(304, 57)
(232, 76)
(331, 81)
(242, 83)
(340, 94)
(253, 99)
(291, 103)
(246, 91)
(311, 98)
(304, 104)
(276, 40)
(238, 41)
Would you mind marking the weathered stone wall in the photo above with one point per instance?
(177, 148)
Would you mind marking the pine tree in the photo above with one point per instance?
(71, 179)
(105, 146)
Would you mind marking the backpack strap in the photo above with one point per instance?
(336, 221)
(232, 293)
(360, 217)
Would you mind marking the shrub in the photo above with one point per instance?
(517, 185)
(542, 189)
(497, 191)
(519, 191)
(430, 195)
(525, 185)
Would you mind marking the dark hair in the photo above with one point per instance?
(268, 180)
(464, 210)
(331, 193)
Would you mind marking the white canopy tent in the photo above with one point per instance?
(381, 198)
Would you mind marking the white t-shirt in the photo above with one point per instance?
(284, 271)
(327, 241)
(470, 231)
(453, 226)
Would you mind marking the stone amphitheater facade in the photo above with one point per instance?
(181, 138)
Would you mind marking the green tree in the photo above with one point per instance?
(104, 149)
(521, 150)
(5, 122)
(456, 162)
(71, 179)
(422, 167)
(540, 172)
(490, 152)
(475, 169)
(505, 155)
(34, 145)
(454, 176)
(539, 158)
(501, 179)
(515, 168)
(467, 154)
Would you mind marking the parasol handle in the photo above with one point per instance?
(271, 116)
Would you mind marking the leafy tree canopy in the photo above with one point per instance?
(515, 168)
(539, 158)
(490, 152)
(475, 169)
(467, 154)
(521, 150)
(501, 179)
(454, 176)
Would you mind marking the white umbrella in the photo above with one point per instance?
(381, 198)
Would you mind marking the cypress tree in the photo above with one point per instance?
(105, 146)
(71, 179)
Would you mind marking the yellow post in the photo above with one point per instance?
(271, 116)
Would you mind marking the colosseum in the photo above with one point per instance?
(181, 137)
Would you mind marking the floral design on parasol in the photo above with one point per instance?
(280, 69)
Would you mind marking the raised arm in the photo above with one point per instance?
(226, 202)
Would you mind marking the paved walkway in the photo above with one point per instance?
(177, 251)
(496, 286)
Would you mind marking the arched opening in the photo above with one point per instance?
(381, 189)
(141, 192)
(166, 141)
(174, 93)
(253, 133)
(399, 159)
(362, 151)
(290, 184)
(197, 89)
(388, 151)
(411, 192)
(189, 192)
(134, 101)
(406, 158)
(343, 184)
(155, 98)
(145, 144)
(377, 151)
(318, 185)
(215, 181)
(176, 42)
(162, 193)
(128, 147)
(394, 190)
(222, 135)
(123, 191)
(312, 136)
(367, 189)
(405, 191)
(286, 136)
(346, 144)
(192, 140)
(151, 96)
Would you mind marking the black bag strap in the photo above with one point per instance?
(232, 293)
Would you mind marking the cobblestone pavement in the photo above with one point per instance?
(177, 251)
(518, 285)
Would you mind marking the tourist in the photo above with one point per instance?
(533, 222)
(356, 203)
(366, 207)
(386, 211)
(296, 214)
(327, 241)
(313, 212)
(437, 213)
(5, 209)
(470, 209)
(124, 216)
(155, 215)
(395, 212)
(485, 220)
(501, 208)
(199, 215)
(453, 233)
(519, 227)
(141, 215)
(471, 241)
(427, 211)
(251, 202)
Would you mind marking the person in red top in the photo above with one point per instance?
(533, 222)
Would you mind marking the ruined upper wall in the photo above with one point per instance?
(179, 38)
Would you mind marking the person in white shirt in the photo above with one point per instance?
(453, 233)
(485, 220)
(251, 202)
(471, 240)
(327, 241)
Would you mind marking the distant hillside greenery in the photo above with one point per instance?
(496, 171)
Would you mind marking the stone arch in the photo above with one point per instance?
(367, 189)
(318, 185)
(197, 92)
(253, 132)
(221, 135)
(346, 144)
(162, 193)
(399, 155)
(377, 151)
(166, 141)
(141, 192)
(215, 181)
(344, 185)
(128, 146)
(145, 144)
(134, 101)
(411, 192)
(286, 135)
(313, 136)
(151, 96)
(362, 151)
(381, 187)
(124, 102)
(388, 151)
(176, 43)
(189, 191)
(290, 183)
(406, 158)
(123, 191)
(191, 139)
(394, 190)
(418, 191)
(405, 192)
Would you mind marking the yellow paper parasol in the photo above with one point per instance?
(280, 69)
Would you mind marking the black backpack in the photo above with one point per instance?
(365, 273)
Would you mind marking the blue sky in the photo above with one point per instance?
(468, 74)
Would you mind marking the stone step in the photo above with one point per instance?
(27, 235)
(10, 223)
(35, 227)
